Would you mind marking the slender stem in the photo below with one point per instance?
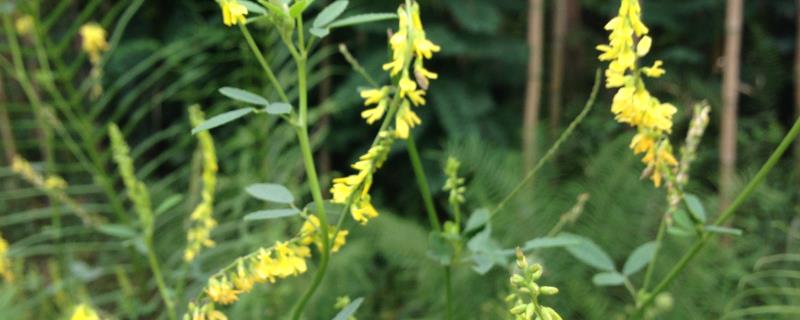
(727, 214)
(264, 65)
(316, 191)
(551, 152)
(162, 287)
(648, 275)
(422, 183)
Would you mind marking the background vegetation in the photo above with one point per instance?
(168, 55)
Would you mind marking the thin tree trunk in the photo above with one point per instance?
(730, 99)
(533, 92)
(557, 66)
(797, 85)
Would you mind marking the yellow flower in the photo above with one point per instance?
(243, 280)
(5, 262)
(654, 71)
(24, 25)
(233, 12)
(375, 96)
(221, 291)
(405, 120)
(363, 211)
(206, 312)
(84, 312)
(310, 234)
(408, 88)
(642, 142)
(93, 39)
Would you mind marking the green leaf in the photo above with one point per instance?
(550, 242)
(253, 7)
(243, 96)
(221, 119)
(279, 108)
(349, 310)
(330, 13)
(695, 207)
(270, 192)
(271, 214)
(439, 249)
(477, 219)
(362, 18)
(590, 253)
(117, 230)
(319, 32)
(482, 263)
(612, 278)
(723, 230)
(639, 258)
(297, 9)
(169, 203)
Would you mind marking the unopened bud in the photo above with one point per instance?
(548, 291)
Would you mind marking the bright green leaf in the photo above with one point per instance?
(362, 18)
(330, 13)
(297, 9)
(695, 207)
(550, 242)
(169, 203)
(270, 192)
(612, 278)
(639, 258)
(271, 214)
(279, 108)
(590, 253)
(477, 219)
(253, 7)
(724, 230)
(320, 32)
(349, 310)
(243, 96)
(221, 119)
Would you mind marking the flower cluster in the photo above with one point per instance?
(409, 46)
(633, 104)
(5, 262)
(266, 265)
(202, 222)
(526, 292)
(93, 40)
(233, 12)
(354, 189)
(454, 184)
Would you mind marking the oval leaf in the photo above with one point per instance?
(724, 230)
(243, 96)
(608, 279)
(117, 230)
(296, 10)
(320, 32)
(362, 18)
(270, 192)
(279, 108)
(591, 254)
(477, 219)
(271, 214)
(639, 258)
(550, 242)
(221, 119)
(252, 7)
(349, 310)
(695, 207)
(330, 13)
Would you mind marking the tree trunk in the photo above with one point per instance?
(797, 85)
(557, 66)
(730, 99)
(533, 92)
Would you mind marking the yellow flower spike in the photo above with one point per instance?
(221, 291)
(233, 12)
(93, 40)
(84, 312)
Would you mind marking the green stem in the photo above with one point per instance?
(422, 183)
(162, 287)
(263, 62)
(727, 214)
(552, 151)
(316, 191)
(648, 275)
